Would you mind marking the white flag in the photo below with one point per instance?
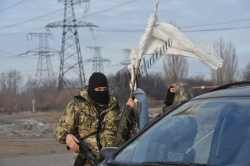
(166, 39)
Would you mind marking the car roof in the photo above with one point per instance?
(242, 91)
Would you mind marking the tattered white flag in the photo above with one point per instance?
(166, 39)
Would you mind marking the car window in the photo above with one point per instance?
(197, 132)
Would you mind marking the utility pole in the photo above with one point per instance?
(71, 57)
(126, 60)
(97, 60)
(44, 71)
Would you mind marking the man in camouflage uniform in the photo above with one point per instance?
(94, 116)
(177, 94)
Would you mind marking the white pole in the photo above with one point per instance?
(33, 103)
(131, 66)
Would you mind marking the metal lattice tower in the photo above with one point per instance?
(71, 57)
(126, 59)
(97, 60)
(44, 71)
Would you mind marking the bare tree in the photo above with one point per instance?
(175, 69)
(246, 72)
(228, 72)
(10, 80)
(10, 83)
(153, 85)
(199, 80)
(47, 96)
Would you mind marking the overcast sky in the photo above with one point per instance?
(122, 23)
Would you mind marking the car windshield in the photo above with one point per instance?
(208, 131)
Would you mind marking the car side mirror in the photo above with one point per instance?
(106, 152)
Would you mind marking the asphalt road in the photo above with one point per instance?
(49, 160)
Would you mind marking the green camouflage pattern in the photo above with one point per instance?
(128, 125)
(183, 93)
(82, 115)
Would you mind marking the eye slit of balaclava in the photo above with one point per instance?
(170, 97)
(98, 80)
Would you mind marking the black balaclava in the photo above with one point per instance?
(98, 80)
(169, 98)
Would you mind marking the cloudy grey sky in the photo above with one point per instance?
(122, 23)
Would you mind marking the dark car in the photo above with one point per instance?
(210, 129)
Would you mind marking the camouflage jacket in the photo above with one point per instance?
(183, 93)
(82, 117)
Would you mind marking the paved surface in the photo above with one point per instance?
(50, 160)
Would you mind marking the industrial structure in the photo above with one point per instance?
(44, 71)
(97, 60)
(126, 60)
(71, 62)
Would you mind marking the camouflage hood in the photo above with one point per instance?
(183, 93)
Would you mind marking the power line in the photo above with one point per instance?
(218, 29)
(127, 30)
(2, 64)
(218, 23)
(104, 29)
(111, 9)
(7, 57)
(123, 4)
(61, 9)
(12, 6)
(31, 19)
(140, 31)
(21, 32)
(5, 52)
(137, 31)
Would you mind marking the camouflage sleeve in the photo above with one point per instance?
(121, 135)
(134, 121)
(130, 122)
(137, 114)
(66, 122)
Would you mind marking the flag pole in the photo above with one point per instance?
(138, 64)
(134, 79)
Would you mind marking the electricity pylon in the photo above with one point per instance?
(44, 71)
(71, 57)
(97, 60)
(126, 59)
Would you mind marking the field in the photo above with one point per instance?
(31, 134)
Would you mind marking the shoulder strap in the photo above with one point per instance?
(79, 97)
(98, 130)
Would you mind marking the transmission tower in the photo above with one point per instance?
(97, 60)
(71, 57)
(126, 59)
(44, 71)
